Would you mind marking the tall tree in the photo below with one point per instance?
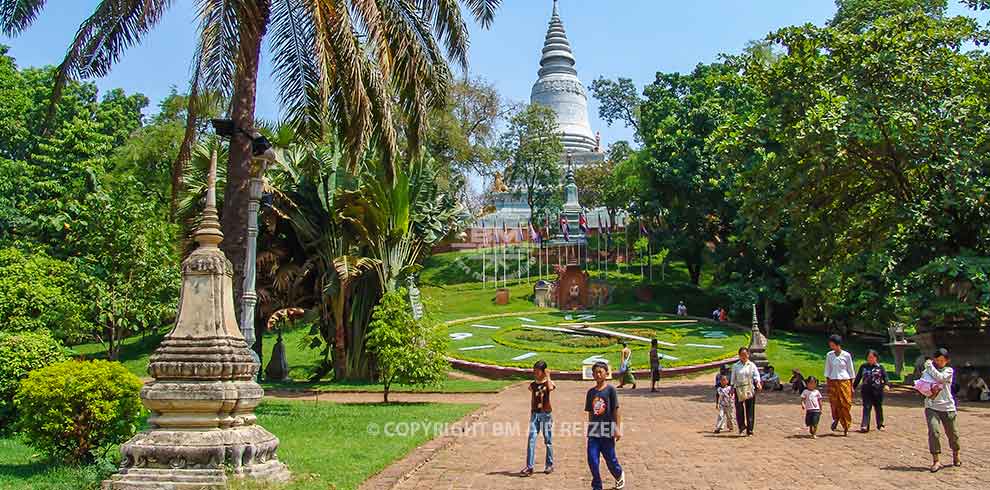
(532, 152)
(347, 66)
(879, 164)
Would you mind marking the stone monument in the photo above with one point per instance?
(203, 394)
(758, 344)
(559, 88)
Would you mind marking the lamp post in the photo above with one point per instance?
(263, 155)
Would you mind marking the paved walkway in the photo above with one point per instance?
(669, 444)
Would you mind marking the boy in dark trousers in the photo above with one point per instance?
(604, 428)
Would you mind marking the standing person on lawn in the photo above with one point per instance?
(655, 357)
(625, 368)
(540, 419)
(839, 374)
(874, 383)
(746, 381)
(604, 428)
(940, 409)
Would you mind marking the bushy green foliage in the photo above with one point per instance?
(21, 353)
(38, 292)
(73, 410)
(407, 350)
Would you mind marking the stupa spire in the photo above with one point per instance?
(560, 89)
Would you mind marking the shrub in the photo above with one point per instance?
(21, 353)
(38, 292)
(407, 350)
(74, 409)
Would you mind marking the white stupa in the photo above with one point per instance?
(559, 88)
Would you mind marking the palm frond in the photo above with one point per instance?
(17, 15)
(102, 38)
(219, 39)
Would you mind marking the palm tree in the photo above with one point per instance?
(351, 67)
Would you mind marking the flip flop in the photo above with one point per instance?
(935, 467)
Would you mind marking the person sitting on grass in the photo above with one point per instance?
(797, 382)
(771, 382)
(540, 419)
(604, 428)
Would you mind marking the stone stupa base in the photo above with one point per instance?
(193, 479)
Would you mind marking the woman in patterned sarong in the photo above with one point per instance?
(839, 373)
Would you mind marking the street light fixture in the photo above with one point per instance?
(262, 152)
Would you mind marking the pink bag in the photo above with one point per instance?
(925, 386)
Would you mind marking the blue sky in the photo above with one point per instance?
(630, 38)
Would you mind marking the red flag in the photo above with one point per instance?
(583, 223)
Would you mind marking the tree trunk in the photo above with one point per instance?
(695, 271)
(339, 345)
(185, 149)
(237, 191)
(767, 315)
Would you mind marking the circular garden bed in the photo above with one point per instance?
(519, 340)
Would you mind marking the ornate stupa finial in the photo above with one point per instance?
(559, 88)
(208, 234)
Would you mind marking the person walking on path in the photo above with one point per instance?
(655, 357)
(625, 368)
(839, 374)
(540, 419)
(811, 402)
(725, 402)
(940, 409)
(604, 428)
(746, 381)
(874, 383)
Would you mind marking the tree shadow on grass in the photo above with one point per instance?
(26, 470)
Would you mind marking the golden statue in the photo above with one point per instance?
(499, 184)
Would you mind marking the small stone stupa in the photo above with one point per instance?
(203, 395)
(758, 345)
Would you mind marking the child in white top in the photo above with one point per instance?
(725, 401)
(811, 403)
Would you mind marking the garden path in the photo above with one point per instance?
(669, 444)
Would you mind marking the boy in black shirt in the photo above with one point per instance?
(604, 428)
(540, 419)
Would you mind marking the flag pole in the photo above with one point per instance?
(484, 264)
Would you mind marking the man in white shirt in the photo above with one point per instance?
(839, 374)
(940, 409)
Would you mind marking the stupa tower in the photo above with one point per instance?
(560, 89)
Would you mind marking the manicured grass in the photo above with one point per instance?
(450, 385)
(325, 445)
(566, 352)
(806, 352)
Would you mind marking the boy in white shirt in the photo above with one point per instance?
(811, 403)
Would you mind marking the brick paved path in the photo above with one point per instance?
(669, 444)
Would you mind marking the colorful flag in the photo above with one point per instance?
(519, 233)
(546, 226)
(583, 223)
(564, 225)
(495, 238)
(642, 228)
(534, 235)
(602, 225)
(505, 233)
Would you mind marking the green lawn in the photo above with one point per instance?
(452, 384)
(318, 443)
(564, 351)
(806, 352)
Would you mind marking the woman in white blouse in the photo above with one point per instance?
(746, 380)
(839, 374)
